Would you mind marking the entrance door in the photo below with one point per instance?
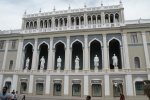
(39, 88)
(57, 89)
(118, 89)
(76, 90)
(8, 85)
(23, 87)
(96, 90)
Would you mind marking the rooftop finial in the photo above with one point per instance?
(101, 3)
(120, 2)
(40, 10)
(85, 4)
(69, 6)
(54, 8)
(25, 12)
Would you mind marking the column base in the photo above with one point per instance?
(96, 69)
(116, 69)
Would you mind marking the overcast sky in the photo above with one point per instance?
(11, 11)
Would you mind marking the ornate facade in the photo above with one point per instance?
(85, 33)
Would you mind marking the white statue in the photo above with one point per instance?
(42, 62)
(27, 63)
(96, 61)
(77, 62)
(59, 62)
(115, 60)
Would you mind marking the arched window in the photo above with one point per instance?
(50, 23)
(35, 25)
(137, 62)
(99, 19)
(94, 19)
(27, 25)
(65, 21)
(106, 18)
(10, 65)
(45, 24)
(56, 22)
(111, 18)
(89, 20)
(41, 24)
(116, 18)
(61, 22)
(72, 21)
(82, 20)
(31, 25)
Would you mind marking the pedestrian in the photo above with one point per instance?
(122, 97)
(16, 95)
(24, 93)
(4, 95)
(12, 95)
(88, 97)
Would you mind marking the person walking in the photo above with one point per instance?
(122, 97)
(24, 93)
(12, 95)
(88, 97)
(16, 95)
(4, 95)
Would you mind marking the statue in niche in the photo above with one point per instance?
(96, 61)
(42, 62)
(27, 63)
(59, 62)
(77, 62)
(115, 61)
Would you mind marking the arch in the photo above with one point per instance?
(27, 44)
(41, 24)
(8, 79)
(114, 38)
(94, 40)
(60, 41)
(77, 40)
(11, 65)
(35, 24)
(106, 18)
(137, 62)
(27, 25)
(43, 43)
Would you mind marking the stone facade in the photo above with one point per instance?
(85, 32)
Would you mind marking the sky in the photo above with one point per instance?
(11, 11)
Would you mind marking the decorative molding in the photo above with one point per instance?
(98, 37)
(80, 39)
(12, 50)
(2, 50)
(116, 36)
(59, 39)
(135, 44)
(28, 41)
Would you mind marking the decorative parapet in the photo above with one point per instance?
(140, 21)
(73, 11)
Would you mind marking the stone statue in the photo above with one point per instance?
(115, 60)
(42, 62)
(59, 62)
(96, 61)
(77, 62)
(27, 63)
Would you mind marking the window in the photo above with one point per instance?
(139, 88)
(13, 46)
(137, 62)
(134, 38)
(1, 44)
(10, 65)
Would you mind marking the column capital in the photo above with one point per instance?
(104, 35)
(143, 32)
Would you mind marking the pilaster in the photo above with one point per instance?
(34, 58)
(86, 85)
(105, 52)
(66, 85)
(107, 87)
(129, 85)
(146, 51)
(5, 55)
(85, 52)
(47, 90)
(67, 54)
(50, 55)
(1, 81)
(31, 84)
(14, 83)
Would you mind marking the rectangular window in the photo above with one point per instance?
(1, 44)
(13, 46)
(134, 38)
(139, 88)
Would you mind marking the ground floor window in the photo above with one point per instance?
(96, 90)
(117, 89)
(39, 88)
(139, 88)
(8, 85)
(76, 90)
(57, 89)
(23, 87)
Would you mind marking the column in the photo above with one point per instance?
(14, 83)
(86, 85)
(20, 44)
(125, 48)
(68, 21)
(5, 55)
(146, 50)
(79, 21)
(1, 81)
(122, 16)
(129, 85)
(31, 84)
(70, 67)
(38, 23)
(53, 66)
(102, 18)
(107, 85)
(105, 52)
(85, 19)
(50, 55)
(102, 56)
(148, 76)
(67, 54)
(122, 58)
(47, 90)
(85, 52)
(34, 57)
(53, 22)
(66, 85)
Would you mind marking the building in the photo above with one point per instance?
(86, 32)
